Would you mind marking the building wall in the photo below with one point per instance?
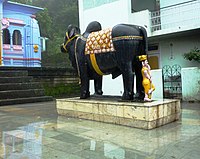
(179, 15)
(116, 12)
(115, 87)
(141, 18)
(108, 14)
(167, 3)
(30, 36)
(110, 86)
(34, 40)
(26, 53)
(191, 84)
(173, 49)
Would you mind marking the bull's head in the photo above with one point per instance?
(71, 34)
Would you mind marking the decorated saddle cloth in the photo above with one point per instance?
(99, 42)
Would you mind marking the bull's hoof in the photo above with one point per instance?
(139, 96)
(99, 92)
(127, 96)
(85, 95)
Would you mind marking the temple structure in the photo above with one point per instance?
(20, 41)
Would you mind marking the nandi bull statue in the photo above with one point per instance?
(113, 51)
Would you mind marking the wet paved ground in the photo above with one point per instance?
(35, 131)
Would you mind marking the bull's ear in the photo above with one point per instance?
(73, 30)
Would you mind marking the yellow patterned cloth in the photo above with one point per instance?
(99, 42)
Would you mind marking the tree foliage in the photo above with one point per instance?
(194, 54)
(23, 1)
(53, 22)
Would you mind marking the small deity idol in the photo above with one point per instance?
(147, 81)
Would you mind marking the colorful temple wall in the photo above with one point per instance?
(20, 41)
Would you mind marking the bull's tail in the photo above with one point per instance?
(144, 34)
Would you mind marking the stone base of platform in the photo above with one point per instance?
(147, 115)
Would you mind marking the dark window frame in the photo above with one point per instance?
(6, 36)
(17, 37)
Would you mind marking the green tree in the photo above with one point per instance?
(194, 54)
(22, 1)
(45, 23)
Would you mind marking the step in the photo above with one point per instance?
(20, 86)
(11, 73)
(20, 79)
(21, 93)
(13, 68)
(4, 102)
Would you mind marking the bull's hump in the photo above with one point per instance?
(99, 42)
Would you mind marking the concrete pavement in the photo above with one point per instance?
(35, 131)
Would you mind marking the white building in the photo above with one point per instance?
(173, 28)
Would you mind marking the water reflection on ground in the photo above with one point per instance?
(34, 131)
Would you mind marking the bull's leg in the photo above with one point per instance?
(139, 78)
(128, 79)
(98, 85)
(84, 88)
(84, 82)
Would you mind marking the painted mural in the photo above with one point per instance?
(20, 41)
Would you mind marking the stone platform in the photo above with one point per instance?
(146, 115)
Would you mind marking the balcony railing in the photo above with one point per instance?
(155, 21)
(181, 17)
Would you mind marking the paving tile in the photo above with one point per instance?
(51, 153)
(69, 138)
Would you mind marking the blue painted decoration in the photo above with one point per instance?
(20, 40)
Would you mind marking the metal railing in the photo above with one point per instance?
(155, 21)
(184, 15)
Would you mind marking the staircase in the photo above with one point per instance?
(17, 87)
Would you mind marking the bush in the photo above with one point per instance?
(62, 90)
(194, 54)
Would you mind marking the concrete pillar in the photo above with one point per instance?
(190, 77)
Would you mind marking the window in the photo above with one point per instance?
(6, 36)
(153, 47)
(17, 38)
(138, 5)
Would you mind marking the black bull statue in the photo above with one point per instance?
(112, 51)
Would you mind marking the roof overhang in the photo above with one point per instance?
(18, 7)
(191, 32)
